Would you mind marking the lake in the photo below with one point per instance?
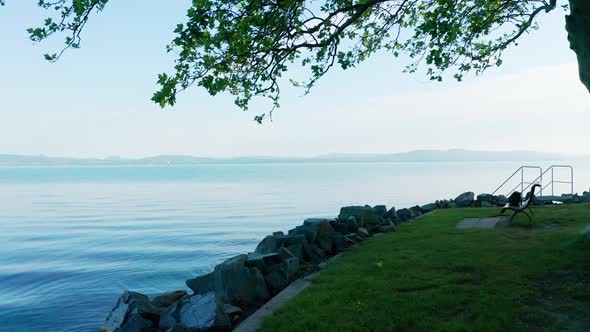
(73, 238)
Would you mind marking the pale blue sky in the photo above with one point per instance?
(95, 101)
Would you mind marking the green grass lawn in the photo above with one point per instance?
(430, 276)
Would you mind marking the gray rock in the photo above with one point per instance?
(166, 299)
(136, 323)
(485, 204)
(286, 253)
(487, 200)
(201, 312)
(586, 231)
(502, 200)
(362, 232)
(428, 207)
(276, 281)
(261, 261)
(338, 243)
(392, 214)
(350, 239)
(363, 214)
(296, 249)
(234, 283)
(416, 211)
(310, 233)
(465, 199)
(387, 227)
(313, 254)
(129, 305)
(234, 313)
(270, 243)
(380, 210)
(404, 215)
(323, 230)
(291, 267)
(292, 239)
(340, 226)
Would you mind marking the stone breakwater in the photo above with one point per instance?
(240, 285)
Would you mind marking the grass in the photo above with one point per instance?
(430, 276)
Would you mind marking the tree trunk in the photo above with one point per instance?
(577, 24)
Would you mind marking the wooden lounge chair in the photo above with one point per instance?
(523, 205)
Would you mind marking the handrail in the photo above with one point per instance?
(521, 170)
(538, 179)
(551, 168)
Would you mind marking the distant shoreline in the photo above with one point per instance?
(418, 156)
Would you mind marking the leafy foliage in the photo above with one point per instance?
(245, 47)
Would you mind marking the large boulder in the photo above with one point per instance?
(465, 199)
(167, 299)
(416, 211)
(586, 196)
(323, 230)
(486, 200)
(235, 283)
(380, 210)
(131, 310)
(404, 215)
(200, 312)
(363, 214)
(271, 243)
(392, 215)
(428, 207)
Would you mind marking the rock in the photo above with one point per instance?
(323, 230)
(234, 283)
(276, 281)
(296, 249)
(167, 299)
(352, 224)
(233, 313)
(313, 254)
(350, 239)
(362, 232)
(444, 204)
(309, 232)
(130, 305)
(392, 214)
(485, 204)
(338, 242)
(270, 243)
(339, 226)
(465, 199)
(278, 234)
(201, 312)
(586, 231)
(291, 267)
(286, 253)
(292, 239)
(586, 196)
(502, 200)
(261, 261)
(380, 210)
(428, 207)
(404, 215)
(387, 227)
(363, 214)
(137, 323)
(416, 211)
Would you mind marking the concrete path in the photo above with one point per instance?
(491, 222)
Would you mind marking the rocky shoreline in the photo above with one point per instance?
(237, 287)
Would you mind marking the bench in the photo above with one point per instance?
(523, 205)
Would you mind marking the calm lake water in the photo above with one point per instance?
(73, 238)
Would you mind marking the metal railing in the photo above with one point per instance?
(522, 182)
(525, 185)
(553, 181)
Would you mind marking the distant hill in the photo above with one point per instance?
(412, 156)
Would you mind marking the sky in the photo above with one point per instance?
(95, 101)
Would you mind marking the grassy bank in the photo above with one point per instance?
(430, 276)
